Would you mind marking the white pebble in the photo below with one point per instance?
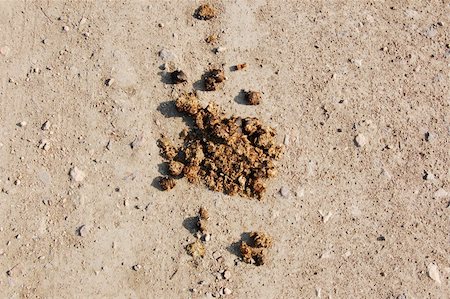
(284, 191)
(66, 28)
(22, 124)
(325, 217)
(360, 140)
(167, 55)
(207, 237)
(45, 126)
(429, 176)
(286, 140)
(137, 267)
(433, 272)
(227, 274)
(17, 182)
(226, 291)
(109, 81)
(77, 174)
(220, 49)
(440, 193)
(82, 231)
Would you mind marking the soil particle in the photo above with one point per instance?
(205, 12)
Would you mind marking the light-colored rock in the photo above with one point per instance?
(284, 191)
(76, 174)
(360, 140)
(441, 193)
(433, 273)
(167, 55)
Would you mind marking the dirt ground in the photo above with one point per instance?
(357, 90)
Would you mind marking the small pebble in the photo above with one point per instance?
(360, 140)
(227, 274)
(167, 55)
(428, 176)
(220, 50)
(284, 191)
(207, 237)
(66, 28)
(76, 174)
(82, 231)
(22, 124)
(216, 255)
(433, 273)
(440, 193)
(17, 182)
(137, 267)
(45, 126)
(286, 140)
(226, 291)
(5, 50)
(109, 81)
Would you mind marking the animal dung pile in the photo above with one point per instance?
(256, 252)
(233, 155)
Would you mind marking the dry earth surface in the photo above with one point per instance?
(357, 90)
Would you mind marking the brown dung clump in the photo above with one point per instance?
(213, 78)
(166, 183)
(205, 12)
(256, 252)
(196, 249)
(233, 155)
(253, 97)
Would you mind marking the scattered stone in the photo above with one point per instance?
(22, 124)
(137, 267)
(433, 273)
(286, 140)
(109, 82)
(177, 77)
(253, 97)
(441, 193)
(66, 28)
(45, 126)
(76, 174)
(166, 183)
(226, 291)
(196, 249)
(227, 274)
(219, 50)
(160, 25)
(44, 144)
(167, 55)
(207, 237)
(216, 255)
(428, 176)
(17, 182)
(360, 140)
(325, 217)
(82, 231)
(205, 12)
(213, 78)
(284, 191)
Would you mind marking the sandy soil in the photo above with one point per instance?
(366, 219)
